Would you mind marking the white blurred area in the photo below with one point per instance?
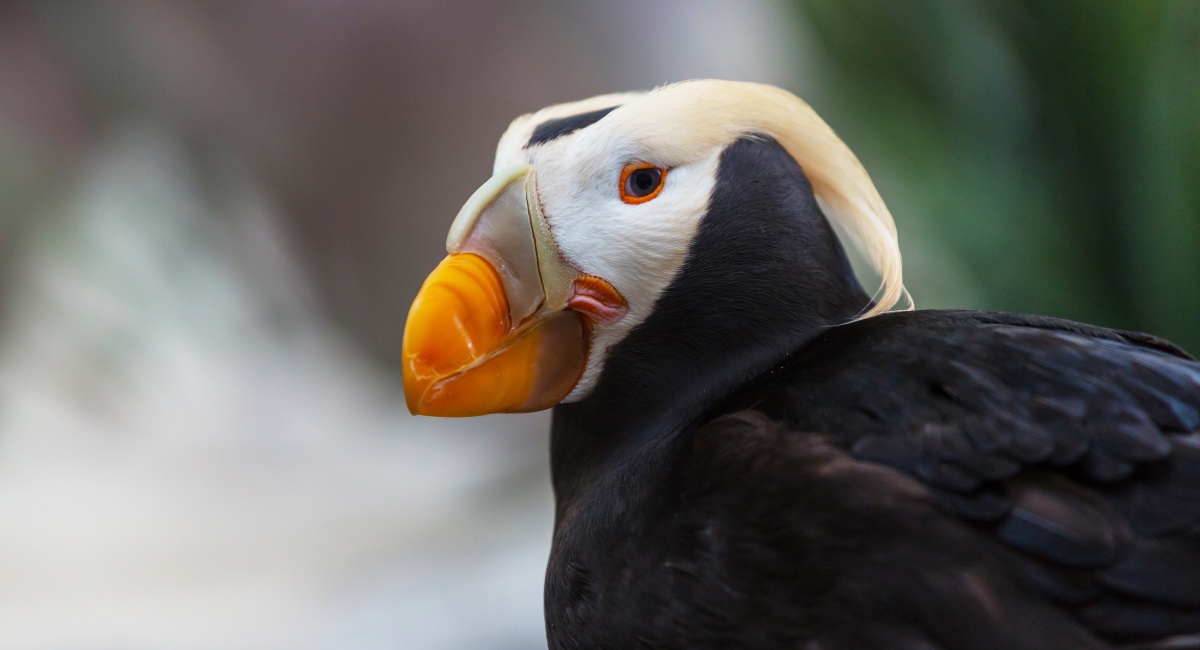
(190, 456)
(203, 441)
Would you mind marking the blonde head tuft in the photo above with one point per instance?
(679, 123)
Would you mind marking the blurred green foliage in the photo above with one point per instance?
(1052, 147)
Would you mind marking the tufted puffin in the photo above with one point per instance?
(749, 450)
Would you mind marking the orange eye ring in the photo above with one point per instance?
(643, 187)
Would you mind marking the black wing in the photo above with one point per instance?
(1079, 447)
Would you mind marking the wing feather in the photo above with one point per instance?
(1077, 447)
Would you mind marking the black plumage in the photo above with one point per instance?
(757, 469)
(557, 128)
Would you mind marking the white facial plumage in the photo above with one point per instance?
(640, 248)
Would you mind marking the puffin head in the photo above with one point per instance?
(700, 206)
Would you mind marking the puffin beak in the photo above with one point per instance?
(503, 324)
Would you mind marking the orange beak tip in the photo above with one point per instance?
(463, 358)
(412, 393)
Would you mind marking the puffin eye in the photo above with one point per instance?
(641, 182)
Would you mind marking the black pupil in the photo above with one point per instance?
(644, 181)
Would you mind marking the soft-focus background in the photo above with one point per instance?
(213, 216)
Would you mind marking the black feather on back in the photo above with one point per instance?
(1077, 447)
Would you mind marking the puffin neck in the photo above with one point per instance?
(764, 275)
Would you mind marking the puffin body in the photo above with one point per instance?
(747, 452)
